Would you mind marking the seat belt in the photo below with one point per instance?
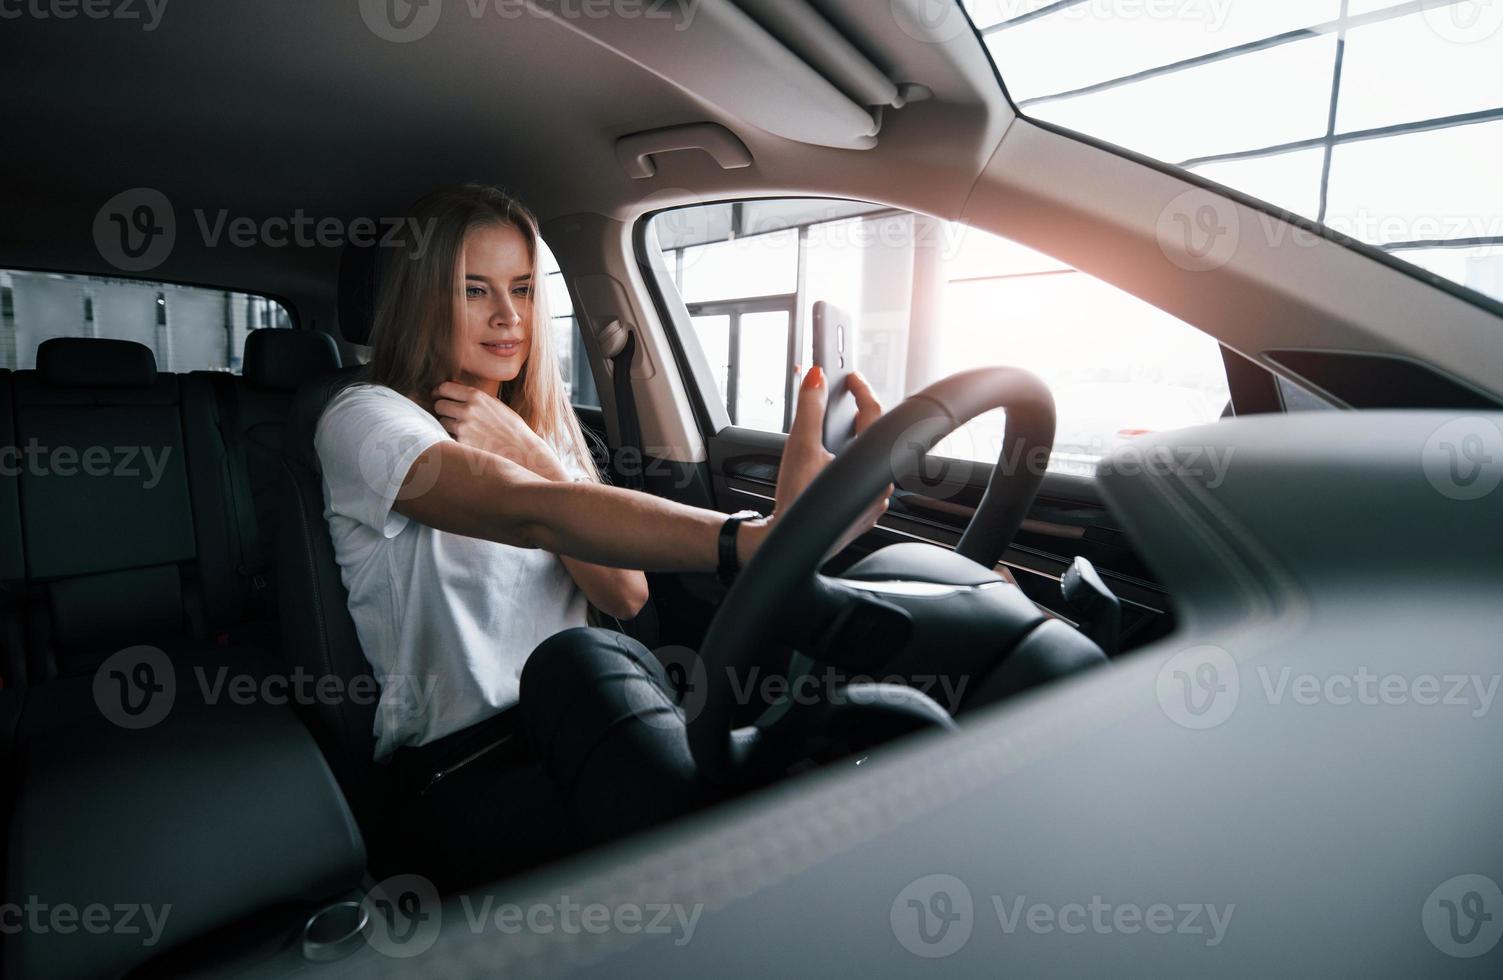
(627, 420)
(643, 629)
(251, 565)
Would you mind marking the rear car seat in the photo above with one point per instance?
(12, 563)
(125, 524)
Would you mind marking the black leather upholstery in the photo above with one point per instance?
(255, 409)
(126, 538)
(318, 634)
(285, 359)
(12, 561)
(92, 363)
(211, 816)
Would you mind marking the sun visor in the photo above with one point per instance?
(718, 52)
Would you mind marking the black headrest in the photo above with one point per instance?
(359, 279)
(287, 358)
(86, 362)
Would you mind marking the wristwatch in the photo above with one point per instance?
(730, 564)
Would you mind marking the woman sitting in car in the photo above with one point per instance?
(471, 526)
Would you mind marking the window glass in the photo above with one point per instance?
(930, 298)
(187, 328)
(759, 265)
(1381, 118)
(1259, 99)
(573, 363)
(1389, 68)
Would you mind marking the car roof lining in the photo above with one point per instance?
(325, 119)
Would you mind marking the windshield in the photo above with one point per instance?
(1382, 120)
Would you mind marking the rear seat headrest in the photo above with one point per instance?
(287, 358)
(359, 280)
(87, 362)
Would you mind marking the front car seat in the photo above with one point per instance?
(318, 634)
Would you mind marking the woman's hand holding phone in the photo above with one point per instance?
(805, 454)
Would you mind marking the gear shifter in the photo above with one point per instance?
(1099, 610)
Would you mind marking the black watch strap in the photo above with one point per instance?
(730, 564)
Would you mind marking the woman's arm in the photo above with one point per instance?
(618, 592)
(476, 418)
(466, 490)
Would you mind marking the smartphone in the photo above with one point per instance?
(835, 352)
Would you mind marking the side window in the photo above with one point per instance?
(572, 361)
(930, 298)
(188, 328)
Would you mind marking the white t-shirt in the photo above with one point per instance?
(446, 621)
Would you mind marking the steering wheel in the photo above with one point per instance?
(781, 596)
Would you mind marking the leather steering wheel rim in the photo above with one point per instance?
(781, 595)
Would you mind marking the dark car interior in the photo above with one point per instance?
(186, 714)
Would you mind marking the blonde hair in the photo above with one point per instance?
(414, 338)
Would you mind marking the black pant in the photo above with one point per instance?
(601, 714)
(596, 749)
